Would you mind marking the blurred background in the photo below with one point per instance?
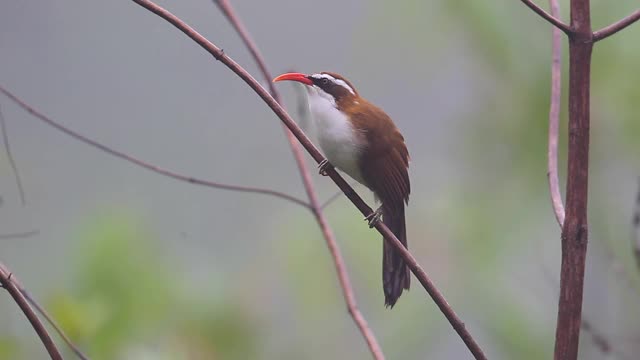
(138, 266)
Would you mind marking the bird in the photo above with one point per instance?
(361, 140)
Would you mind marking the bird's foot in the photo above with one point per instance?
(374, 217)
(323, 167)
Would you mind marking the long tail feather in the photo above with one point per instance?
(395, 272)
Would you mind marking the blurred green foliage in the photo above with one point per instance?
(125, 301)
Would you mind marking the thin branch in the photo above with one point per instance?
(46, 315)
(550, 18)
(20, 235)
(49, 319)
(343, 277)
(420, 274)
(636, 230)
(615, 27)
(148, 166)
(332, 198)
(554, 117)
(7, 283)
(7, 149)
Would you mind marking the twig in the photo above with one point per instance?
(332, 198)
(554, 117)
(435, 294)
(44, 314)
(7, 283)
(146, 165)
(20, 235)
(550, 18)
(615, 27)
(76, 350)
(636, 230)
(7, 149)
(598, 339)
(343, 277)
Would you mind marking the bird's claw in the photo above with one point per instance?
(374, 218)
(323, 167)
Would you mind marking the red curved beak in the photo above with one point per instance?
(301, 78)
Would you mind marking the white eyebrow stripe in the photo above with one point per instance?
(334, 80)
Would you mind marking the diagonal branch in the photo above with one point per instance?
(615, 27)
(334, 249)
(42, 312)
(8, 284)
(420, 274)
(76, 350)
(554, 118)
(550, 18)
(144, 164)
(12, 162)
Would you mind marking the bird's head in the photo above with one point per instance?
(330, 86)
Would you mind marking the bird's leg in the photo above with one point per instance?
(323, 167)
(374, 217)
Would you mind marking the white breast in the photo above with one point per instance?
(335, 133)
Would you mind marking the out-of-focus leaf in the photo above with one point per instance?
(9, 348)
(121, 287)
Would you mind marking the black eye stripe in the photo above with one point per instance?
(322, 81)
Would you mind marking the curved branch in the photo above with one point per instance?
(151, 167)
(76, 350)
(615, 27)
(44, 314)
(334, 249)
(550, 18)
(7, 283)
(554, 118)
(420, 274)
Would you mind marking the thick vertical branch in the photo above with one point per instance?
(575, 229)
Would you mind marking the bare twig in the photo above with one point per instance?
(420, 274)
(600, 341)
(12, 162)
(343, 277)
(550, 18)
(76, 350)
(20, 235)
(148, 166)
(554, 117)
(7, 283)
(636, 230)
(615, 27)
(333, 198)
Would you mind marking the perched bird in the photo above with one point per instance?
(360, 139)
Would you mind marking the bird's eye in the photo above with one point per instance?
(324, 81)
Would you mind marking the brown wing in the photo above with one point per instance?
(384, 162)
(384, 166)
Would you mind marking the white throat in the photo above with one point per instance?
(337, 138)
